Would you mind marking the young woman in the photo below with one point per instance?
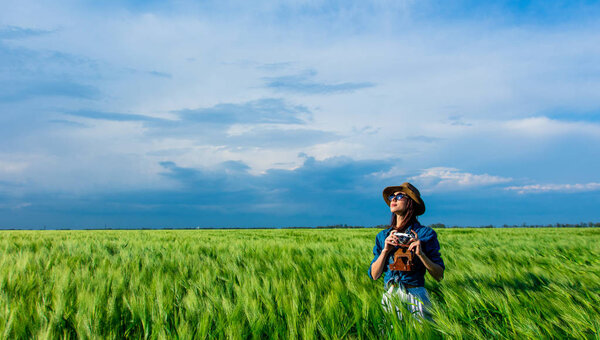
(406, 204)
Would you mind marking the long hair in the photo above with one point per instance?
(409, 217)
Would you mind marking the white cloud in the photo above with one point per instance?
(544, 127)
(21, 205)
(441, 178)
(12, 167)
(539, 188)
(393, 173)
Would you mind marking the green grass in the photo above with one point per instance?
(499, 283)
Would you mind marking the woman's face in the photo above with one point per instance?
(398, 207)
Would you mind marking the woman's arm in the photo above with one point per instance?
(379, 265)
(433, 268)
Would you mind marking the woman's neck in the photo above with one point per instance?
(399, 221)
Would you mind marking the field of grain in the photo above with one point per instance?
(282, 284)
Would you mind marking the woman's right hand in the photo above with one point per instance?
(390, 242)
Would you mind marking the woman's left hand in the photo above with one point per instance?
(415, 245)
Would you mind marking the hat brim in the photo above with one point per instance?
(420, 208)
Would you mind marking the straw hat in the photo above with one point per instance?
(411, 191)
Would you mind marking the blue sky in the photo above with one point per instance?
(297, 113)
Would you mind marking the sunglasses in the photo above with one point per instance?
(397, 197)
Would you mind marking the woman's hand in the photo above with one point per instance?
(390, 242)
(415, 245)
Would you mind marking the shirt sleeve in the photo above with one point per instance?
(432, 249)
(377, 249)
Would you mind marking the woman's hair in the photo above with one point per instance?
(409, 218)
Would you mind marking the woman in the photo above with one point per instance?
(406, 204)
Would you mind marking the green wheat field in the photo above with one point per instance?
(291, 283)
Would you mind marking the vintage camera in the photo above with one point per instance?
(404, 238)
(403, 259)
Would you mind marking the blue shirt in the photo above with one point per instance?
(429, 245)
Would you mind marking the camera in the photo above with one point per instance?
(403, 258)
(404, 238)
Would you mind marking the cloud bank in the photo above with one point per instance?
(119, 112)
(441, 178)
(543, 188)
